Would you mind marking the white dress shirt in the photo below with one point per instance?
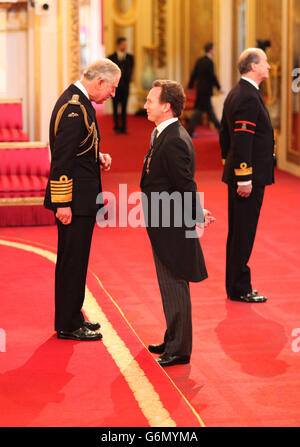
(251, 82)
(162, 126)
(82, 88)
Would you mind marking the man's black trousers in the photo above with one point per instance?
(243, 215)
(121, 99)
(74, 242)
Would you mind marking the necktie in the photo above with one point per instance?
(153, 138)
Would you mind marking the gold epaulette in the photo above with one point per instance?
(61, 190)
(90, 128)
(244, 170)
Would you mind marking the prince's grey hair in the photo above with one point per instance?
(103, 68)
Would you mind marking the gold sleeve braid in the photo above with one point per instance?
(61, 190)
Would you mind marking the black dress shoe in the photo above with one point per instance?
(81, 334)
(157, 349)
(251, 297)
(169, 360)
(91, 326)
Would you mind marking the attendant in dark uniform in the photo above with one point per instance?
(203, 75)
(125, 61)
(169, 169)
(73, 186)
(247, 143)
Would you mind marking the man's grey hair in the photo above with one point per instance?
(248, 57)
(103, 68)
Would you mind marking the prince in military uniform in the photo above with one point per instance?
(247, 143)
(73, 186)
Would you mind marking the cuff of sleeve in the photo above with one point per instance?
(249, 182)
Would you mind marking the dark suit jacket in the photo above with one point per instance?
(172, 170)
(246, 137)
(204, 76)
(74, 142)
(126, 67)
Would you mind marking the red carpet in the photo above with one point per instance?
(244, 371)
(49, 382)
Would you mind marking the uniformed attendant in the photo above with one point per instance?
(247, 143)
(73, 186)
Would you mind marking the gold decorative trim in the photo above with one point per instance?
(21, 201)
(162, 29)
(61, 190)
(216, 35)
(143, 391)
(60, 46)
(23, 145)
(10, 100)
(129, 17)
(244, 170)
(37, 76)
(13, 5)
(73, 41)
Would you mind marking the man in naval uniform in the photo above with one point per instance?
(247, 143)
(73, 186)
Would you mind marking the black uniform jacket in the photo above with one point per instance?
(74, 142)
(204, 76)
(246, 137)
(171, 170)
(126, 67)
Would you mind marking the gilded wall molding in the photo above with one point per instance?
(125, 17)
(161, 33)
(73, 41)
(37, 76)
(293, 154)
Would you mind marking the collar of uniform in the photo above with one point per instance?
(251, 82)
(82, 88)
(162, 126)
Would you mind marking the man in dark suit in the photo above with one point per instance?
(73, 186)
(247, 143)
(168, 173)
(125, 61)
(205, 78)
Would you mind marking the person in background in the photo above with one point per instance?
(125, 62)
(203, 75)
